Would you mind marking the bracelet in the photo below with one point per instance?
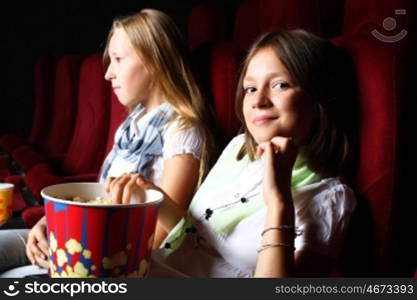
(267, 246)
(295, 231)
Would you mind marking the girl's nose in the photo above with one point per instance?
(261, 99)
(109, 73)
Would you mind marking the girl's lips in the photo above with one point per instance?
(263, 120)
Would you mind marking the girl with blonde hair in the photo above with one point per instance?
(165, 136)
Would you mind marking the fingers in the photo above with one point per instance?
(117, 188)
(42, 242)
(107, 183)
(121, 188)
(34, 250)
(128, 189)
(44, 263)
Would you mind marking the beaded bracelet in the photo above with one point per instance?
(267, 246)
(294, 230)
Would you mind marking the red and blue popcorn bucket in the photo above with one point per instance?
(98, 240)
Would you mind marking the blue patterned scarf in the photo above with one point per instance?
(139, 150)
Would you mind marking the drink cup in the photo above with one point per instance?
(6, 199)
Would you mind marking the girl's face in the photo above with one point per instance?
(273, 104)
(131, 81)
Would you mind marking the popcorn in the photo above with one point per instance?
(98, 200)
(73, 246)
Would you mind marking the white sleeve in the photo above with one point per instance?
(182, 141)
(324, 220)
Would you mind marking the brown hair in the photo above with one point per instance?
(159, 43)
(309, 61)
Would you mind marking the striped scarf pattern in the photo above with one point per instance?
(139, 150)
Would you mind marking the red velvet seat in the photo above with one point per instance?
(60, 119)
(85, 153)
(331, 17)
(43, 89)
(206, 24)
(282, 14)
(117, 114)
(379, 240)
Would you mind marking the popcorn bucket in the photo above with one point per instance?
(98, 240)
(6, 199)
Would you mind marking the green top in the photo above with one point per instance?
(225, 171)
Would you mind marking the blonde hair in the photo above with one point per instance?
(312, 64)
(159, 43)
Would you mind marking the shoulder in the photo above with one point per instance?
(327, 193)
(323, 212)
(181, 139)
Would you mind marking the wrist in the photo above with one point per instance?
(279, 214)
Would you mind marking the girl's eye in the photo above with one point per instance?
(249, 90)
(117, 59)
(281, 85)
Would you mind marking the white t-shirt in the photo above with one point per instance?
(322, 212)
(176, 141)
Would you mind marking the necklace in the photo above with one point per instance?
(241, 199)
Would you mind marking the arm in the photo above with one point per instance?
(282, 261)
(279, 158)
(179, 180)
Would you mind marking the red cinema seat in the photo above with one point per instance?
(331, 17)
(206, 24)
(378, 244)
(283, 14)
(88, 144)
(60, 119)
(117, 115)
(43, 95)
(247, 24)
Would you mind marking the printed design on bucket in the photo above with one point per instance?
(99, 241)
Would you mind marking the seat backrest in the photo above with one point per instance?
(283, 14)
(118, 114)
(331, 17)
(88, 144)
(224, 65)
(62, 119)
(44, 74)
(384, 90)
(246, 27)
(206, 24)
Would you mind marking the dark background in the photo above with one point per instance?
(34, 28)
